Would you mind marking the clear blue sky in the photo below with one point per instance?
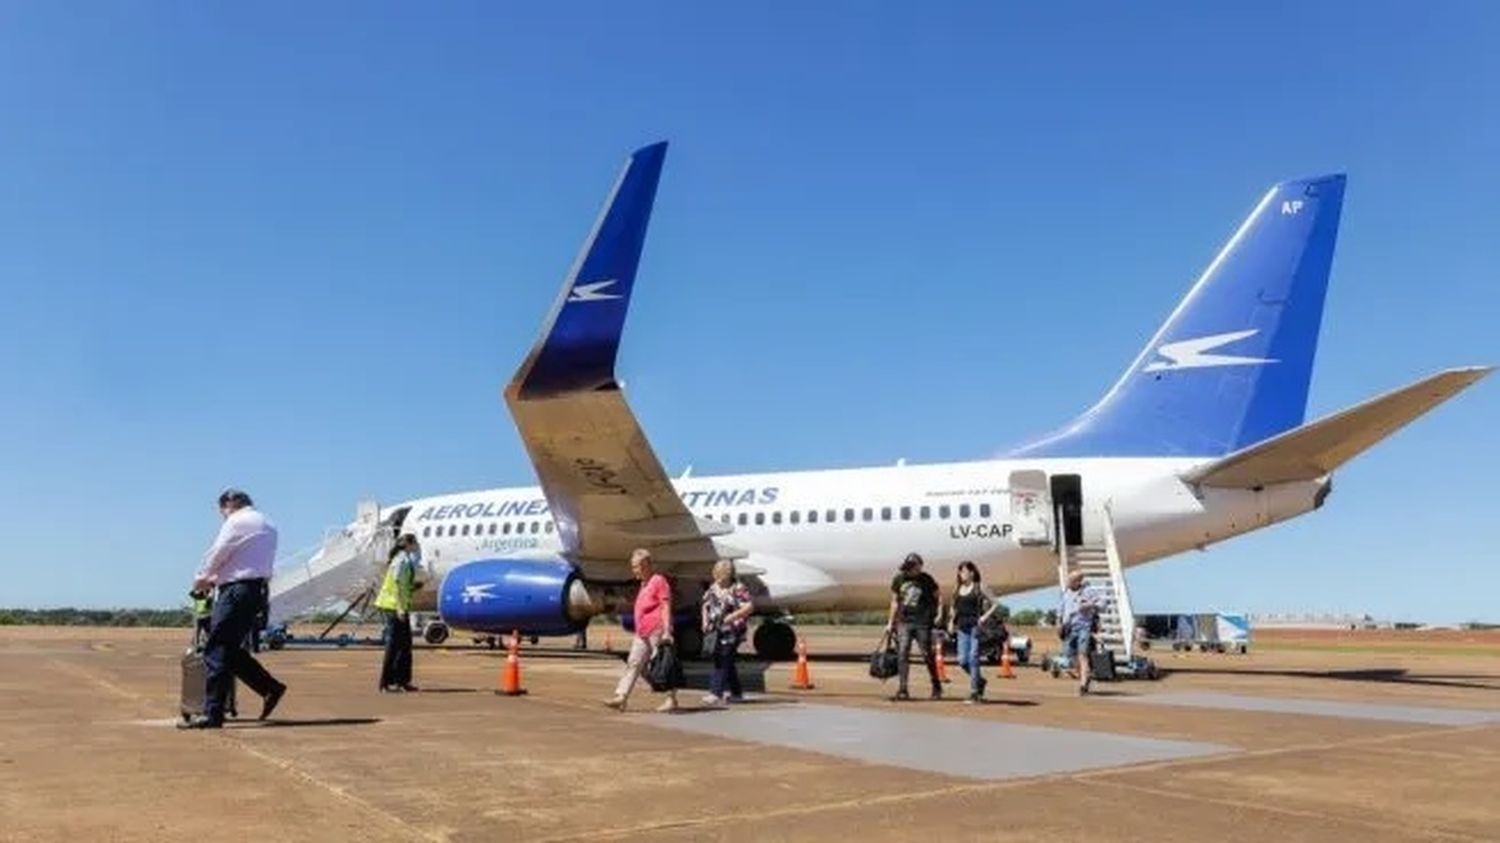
(298, 248)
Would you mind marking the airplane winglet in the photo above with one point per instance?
(581, 336)
(1317, 448)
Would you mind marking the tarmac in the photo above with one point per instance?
(1317, 741)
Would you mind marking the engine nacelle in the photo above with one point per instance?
(535, 596)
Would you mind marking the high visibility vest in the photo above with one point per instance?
(396, 588)
(203, 606)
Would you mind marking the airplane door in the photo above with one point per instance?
(1030, 507)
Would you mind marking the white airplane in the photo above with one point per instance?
(1202, 438)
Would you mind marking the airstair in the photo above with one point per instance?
(335, 574)
(1101, 567)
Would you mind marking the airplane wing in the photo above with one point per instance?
(1317, 448)
(606, 487)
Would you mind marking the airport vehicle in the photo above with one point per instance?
(1220, 632)
(1201, 439)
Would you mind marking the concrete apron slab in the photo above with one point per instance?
(965, 747)
(1323, 708)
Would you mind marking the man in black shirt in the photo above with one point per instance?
(914, 603)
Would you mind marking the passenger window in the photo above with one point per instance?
(831, 516)
(776, 517)
(426, 531)
(905, 513)
(796, 517)
(760, 519)
(925, 512)
(963, 511)
(868, 514)
(984, 510)
(885, 513)
(464, 531)
(943, 511)
(505, 528)
(848, 515)
(547, 525)
(812, 516)
(725, 518)
(744, 519)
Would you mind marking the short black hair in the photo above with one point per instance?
(235, 497)
(912, 561)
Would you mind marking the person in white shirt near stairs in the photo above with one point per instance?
(1081, 604)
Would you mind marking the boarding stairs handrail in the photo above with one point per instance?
(1123, 609)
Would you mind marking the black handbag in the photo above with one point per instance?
(884, 663)
(664, 671)
(711, 643)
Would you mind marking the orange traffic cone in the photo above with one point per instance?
(801, 678)
(510, 677)
(1006, 671)
(937, 657)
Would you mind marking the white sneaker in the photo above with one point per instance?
(667, 707)
(616, 703)
(710, 699)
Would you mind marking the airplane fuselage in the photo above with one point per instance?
(832, 539)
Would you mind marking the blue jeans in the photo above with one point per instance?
(224, 655)
(726, 674)
(968, 658)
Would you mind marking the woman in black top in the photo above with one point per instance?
(973, 604)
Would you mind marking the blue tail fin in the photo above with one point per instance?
(581, 336)
(1231, 365)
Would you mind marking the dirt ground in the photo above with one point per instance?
(87, 750)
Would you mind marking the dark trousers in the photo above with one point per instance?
(922, 634)
(225, 658)
(395, 668)
(726, 674)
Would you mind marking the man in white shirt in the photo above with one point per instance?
(1081, 606)
(239, 565)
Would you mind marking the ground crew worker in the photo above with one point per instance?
(239, 564)
(203, 608)
(394, 602)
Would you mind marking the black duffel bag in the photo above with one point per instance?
(664, 671)
(884, 663)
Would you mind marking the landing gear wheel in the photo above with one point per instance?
(435, 633)
(775, 641)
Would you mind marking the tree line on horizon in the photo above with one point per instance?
(182, 617)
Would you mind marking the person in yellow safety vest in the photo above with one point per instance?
(394, 601)
(203, 615)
